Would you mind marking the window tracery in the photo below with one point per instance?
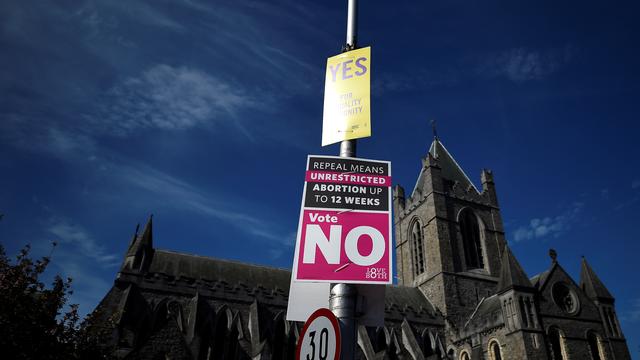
(470, 231)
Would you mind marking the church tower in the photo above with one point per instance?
(449, 235)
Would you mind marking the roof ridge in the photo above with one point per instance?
(458, 167)
(223, 260)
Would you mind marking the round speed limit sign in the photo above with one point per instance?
(320, 337)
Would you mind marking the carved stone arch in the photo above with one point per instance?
(236, 334)
(175, 312)
(428, 343)
(465, 354)
(201, 332)
(278, 338)
(557, 344)
(596, 347)
(472, 238)
(225, 315)
(494, 349)
(236, 325)
(221, 326)
(381, 339)
(440, 351)
(160, 314)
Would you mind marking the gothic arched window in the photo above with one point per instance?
(470, 230)
(594, 345)
(417, 248)
(556, 339)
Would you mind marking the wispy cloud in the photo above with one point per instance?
(75, 237)
(635, 184)
(102, 14)
(522, 64)
(633, 314)
(187, 197)
(171, 98)
(161, 188)
(549, 226)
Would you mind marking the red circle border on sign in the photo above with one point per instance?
(336, 327)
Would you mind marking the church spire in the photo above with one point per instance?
(140, 249)
(511, 273)
(591, 284)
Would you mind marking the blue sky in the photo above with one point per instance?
(202, 113)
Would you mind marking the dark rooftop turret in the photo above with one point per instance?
(591, 284)
(511, 274)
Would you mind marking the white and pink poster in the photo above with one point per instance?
(344, 232)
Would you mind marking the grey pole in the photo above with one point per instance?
(343, 297)
(352, 24)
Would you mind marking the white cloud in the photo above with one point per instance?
(548, 226)
(635, 184)
(522, 64)
(171, 98)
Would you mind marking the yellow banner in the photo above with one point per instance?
(347, 106)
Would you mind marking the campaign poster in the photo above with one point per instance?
(347, 105)
(344, 231)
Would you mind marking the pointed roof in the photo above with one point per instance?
(591, 284)
(511, 273)
(449, 167)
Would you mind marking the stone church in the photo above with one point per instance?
(461, 293)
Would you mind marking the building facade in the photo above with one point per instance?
(461, 293)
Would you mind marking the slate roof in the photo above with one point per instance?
(591, 284)
(400, 301)
(511, 273)
(197, 267)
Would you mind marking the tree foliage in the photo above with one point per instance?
(35, 321)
